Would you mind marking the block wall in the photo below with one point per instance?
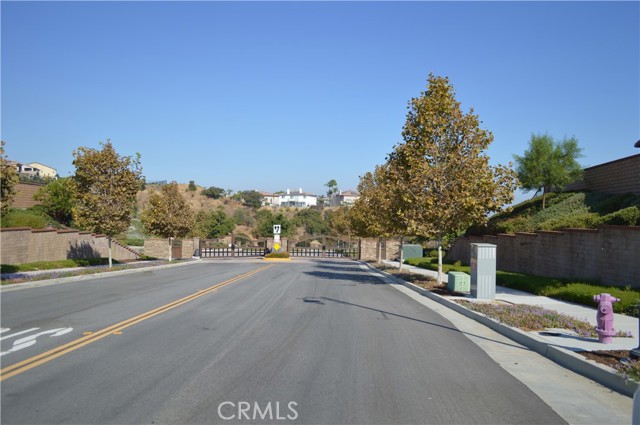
(621, 176)
(609, 254)
(21, 245)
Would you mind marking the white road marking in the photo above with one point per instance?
(28, 341)
(18, 333)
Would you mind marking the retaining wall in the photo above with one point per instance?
(610, 254)
(19, 245)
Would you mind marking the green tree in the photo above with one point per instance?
(104, 186)
(8, 180)
(442, 167)
(57, 199)
(548, 165)
(168, 215)
(332, 188)
(192, 186)
(250, 198)
(213, 192)
(265, 220)
(312, 220)
(213, 224)
(380, 210)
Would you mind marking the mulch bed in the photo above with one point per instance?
(611, 358)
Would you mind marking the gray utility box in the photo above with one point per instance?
(411, 251)
(458, 282)
(483, 271)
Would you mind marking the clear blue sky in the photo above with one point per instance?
(269, 96)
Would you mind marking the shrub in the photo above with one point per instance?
(26, 218)
(277, 255)
(575, 221)
(626, 217)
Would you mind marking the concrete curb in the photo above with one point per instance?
(599, 373)
(48, 282)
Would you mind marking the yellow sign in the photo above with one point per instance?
(276, 246)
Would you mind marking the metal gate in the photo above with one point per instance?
(215, 248)
(324, 247)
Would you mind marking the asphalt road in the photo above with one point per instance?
(302, 342)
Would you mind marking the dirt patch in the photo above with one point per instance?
(426, 282)
(611, 358)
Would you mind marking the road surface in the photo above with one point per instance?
(309, 342)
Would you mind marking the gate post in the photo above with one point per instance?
(324, 247)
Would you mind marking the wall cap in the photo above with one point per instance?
(14, 229)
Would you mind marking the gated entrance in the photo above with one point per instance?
(238, 247)
(324, 247)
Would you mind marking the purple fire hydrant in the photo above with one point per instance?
(605, 317)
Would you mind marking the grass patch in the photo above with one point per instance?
(562, 289)
(535, 318)
(431, 263)
(50, 265)
(567, 290)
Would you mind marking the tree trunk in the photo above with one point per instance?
(170, 248)
(439, 261)
(379, 250)
(110, 256)
(401, 253)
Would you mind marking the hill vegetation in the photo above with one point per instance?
(581, 210)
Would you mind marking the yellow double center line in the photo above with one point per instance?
(30, 363)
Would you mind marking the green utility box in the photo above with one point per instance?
(411, 251)
(459, 282)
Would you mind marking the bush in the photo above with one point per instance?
(576, 221)
(277, 255)
(26, 218)
(50, 265)
(626, 217)
(431, 263)
(134, 242)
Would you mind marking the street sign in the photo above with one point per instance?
(276, 247)
(276, 229)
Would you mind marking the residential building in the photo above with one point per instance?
(45, 170)
(298, 199)
(270, 199)
(346, 198)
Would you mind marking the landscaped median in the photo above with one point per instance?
(622, 379)
(277, 256)
(562, 289)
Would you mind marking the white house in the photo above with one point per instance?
(45, 170)
(270, 199)
(298, 199)
(348, 197)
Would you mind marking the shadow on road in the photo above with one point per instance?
(357, 278)
(388, 313)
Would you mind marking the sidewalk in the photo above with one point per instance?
(562, 349)
(565, 339)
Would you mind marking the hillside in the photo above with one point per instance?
(244, 216)
(582, 210)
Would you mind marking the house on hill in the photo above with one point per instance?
(346, 198)
(298, 199)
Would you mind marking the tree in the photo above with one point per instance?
(446, 178)
(192, 186)
(168, 215)
(265, 220)
(250, 198)
(548, 164)
(213, 224)
(379, 211)
(312, 221)
(105, 186)
(332, 188)
(57, 199)
(8, 179)
(213, 192)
